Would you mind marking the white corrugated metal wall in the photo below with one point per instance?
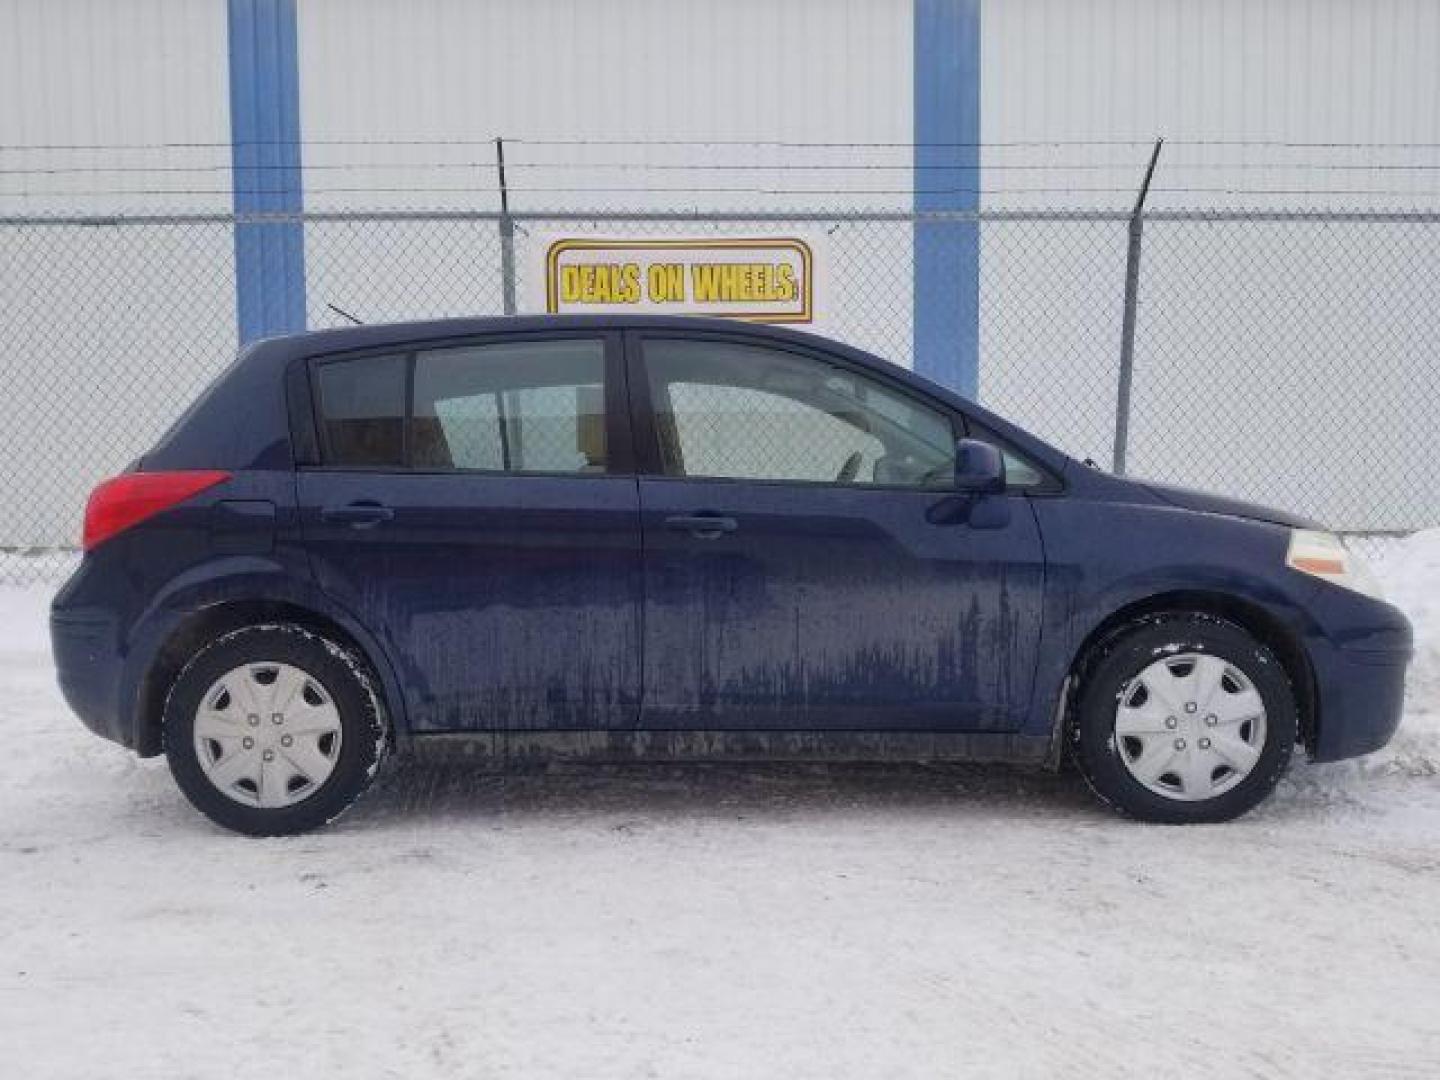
(143, 83)
(101, 93)
(1224, 73)
(446, 71)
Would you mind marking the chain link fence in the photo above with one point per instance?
(1285, 358)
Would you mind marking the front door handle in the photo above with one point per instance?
(362, 515)
(705, 526)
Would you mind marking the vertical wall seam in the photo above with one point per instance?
(946, 293)
(265, 166)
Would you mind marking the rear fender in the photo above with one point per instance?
(248, 582)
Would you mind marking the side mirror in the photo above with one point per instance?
(979, 468)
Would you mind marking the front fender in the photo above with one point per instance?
(1283, 594)
(1105, 557)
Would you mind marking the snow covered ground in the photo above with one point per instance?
(716, 922)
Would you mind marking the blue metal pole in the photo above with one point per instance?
(947, 178)
(265, 161)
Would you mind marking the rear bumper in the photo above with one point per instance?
(85, 643)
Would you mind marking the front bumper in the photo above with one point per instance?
(1359, 676)
(1361, 700)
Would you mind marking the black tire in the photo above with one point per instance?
(1121, 658)
(345, 677)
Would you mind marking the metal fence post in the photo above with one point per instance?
(1127, 327)
(507, 234)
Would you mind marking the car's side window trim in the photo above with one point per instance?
(303, 419)
(620, 457)
(641, 408)
(407, 438)
(619, 426)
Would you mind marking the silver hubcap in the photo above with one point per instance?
(267, 734)
(1190, 726)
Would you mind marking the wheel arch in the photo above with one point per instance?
(1264, 625)
(221, 618)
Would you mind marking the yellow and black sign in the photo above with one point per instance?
(768, 280)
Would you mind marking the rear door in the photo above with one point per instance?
(476, 508)
(807, 565)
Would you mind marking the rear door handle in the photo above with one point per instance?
(708, 526)
(360, 514)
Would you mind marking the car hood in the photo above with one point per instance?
(1206, 503)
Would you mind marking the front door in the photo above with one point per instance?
(806, 566)
(476, 510)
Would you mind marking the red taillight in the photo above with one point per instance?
(127, 500)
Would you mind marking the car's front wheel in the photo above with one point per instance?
(1184, 717)
(273, 729)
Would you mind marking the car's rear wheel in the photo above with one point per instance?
(273, 729)
(1184, 717)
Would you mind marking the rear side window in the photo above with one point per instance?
(523, 406)
(514, 406)
(362, 411)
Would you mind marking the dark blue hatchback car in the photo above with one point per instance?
(681, 537)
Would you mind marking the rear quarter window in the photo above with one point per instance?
(361, 409)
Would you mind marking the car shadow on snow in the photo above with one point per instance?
(454, 786)
(432, 786)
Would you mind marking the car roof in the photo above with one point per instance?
(379, 335)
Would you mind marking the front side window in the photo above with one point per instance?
(749, 412)
(1019, 473)
(514, 406)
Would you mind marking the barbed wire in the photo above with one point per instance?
(725, 190)
(1306, 178)
(632, 166)
(780, 143)
(767, 143)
